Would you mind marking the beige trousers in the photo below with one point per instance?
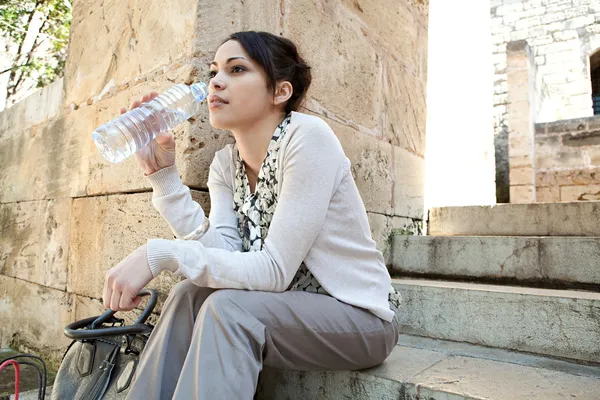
(212, 344)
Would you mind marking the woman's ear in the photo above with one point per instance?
(283, 92)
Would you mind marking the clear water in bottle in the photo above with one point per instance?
(125, 135)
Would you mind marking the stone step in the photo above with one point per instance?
(538, 219)
(566, 261)
(421, 368)
(561, 323)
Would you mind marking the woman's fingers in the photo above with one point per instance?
(115, 300)
(123, 110)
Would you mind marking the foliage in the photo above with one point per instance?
(42, 56)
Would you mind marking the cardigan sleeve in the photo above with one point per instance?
(312, 169)
(174, 202)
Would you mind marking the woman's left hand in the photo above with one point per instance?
(125, 280)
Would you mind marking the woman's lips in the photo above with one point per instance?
(215, 101)
(216, 104)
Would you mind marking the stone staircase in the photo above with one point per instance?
(502, 302)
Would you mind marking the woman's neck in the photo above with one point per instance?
(253, 141)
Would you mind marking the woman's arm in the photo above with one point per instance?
(174, 202)
(313, 167)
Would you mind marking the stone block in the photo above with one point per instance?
(383, 227)
(34, 245)
(421, 368)
(409, 184)
(557, 219)
(522, 176)
(117, 41)
(564, 158)
(553, 17)
(218, 20)
(509, 8)
(579, 22)
(344, 58)
(404, 110)
(33, 318)
(565, 260)
(38, 107)
(570, 259)
(578, 193)
(565, 35)
(547, 194)
(546, 144)
(105, 230)
(582, 177)
(371, 164)
(481, 257)
(47, 161)
(522, 194)
(526, 23)
(560, 323)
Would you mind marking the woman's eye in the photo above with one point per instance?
(212, 74)
(237, 68)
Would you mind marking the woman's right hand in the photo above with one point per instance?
(160, 152)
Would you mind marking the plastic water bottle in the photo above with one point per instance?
(125, 135)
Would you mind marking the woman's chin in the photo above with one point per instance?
(218, 122)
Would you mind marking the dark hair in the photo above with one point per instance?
(280, 60)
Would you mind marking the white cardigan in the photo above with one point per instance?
(320, 219)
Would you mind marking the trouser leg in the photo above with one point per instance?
(237, 331)
(163, 357)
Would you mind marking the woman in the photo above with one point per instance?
(284, 272)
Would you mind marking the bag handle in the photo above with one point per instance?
(74, 330)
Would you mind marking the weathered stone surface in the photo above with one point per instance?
(383, 227)
(439, 370)
(557, 259)
(34, 245)
(104, 230)
(112, 42)
(522, 176)
(559, 323)
(371, 165)
(217, 20)
(404, 108)
(547, 194)
(344, 58)
(47, 161)
(579, 177)
(560, 219)
(409, 184)
(571, 259)
(38, 107)
(522, 194)
(33, 318)
(577, 193)
(476, 378)
(481, 257)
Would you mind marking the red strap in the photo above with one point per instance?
(15, 364)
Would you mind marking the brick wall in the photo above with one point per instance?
(568, 160)
(562, 34)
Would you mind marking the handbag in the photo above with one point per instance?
(101, 361)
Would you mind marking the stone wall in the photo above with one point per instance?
(562, 34)
(568, 160)
(67, 215)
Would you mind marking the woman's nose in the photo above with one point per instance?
(216, 83)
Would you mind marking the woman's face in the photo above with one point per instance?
(239, 95)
